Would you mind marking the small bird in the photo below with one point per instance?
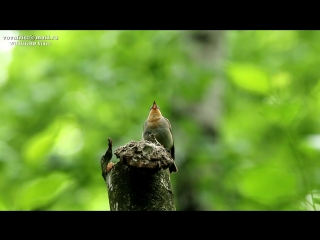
(105, 163)
(161, 128)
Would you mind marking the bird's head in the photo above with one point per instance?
(154, 113)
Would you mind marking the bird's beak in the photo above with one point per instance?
(154, 106)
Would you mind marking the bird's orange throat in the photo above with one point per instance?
(154, 115)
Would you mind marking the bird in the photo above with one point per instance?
(105, 163)
(161, 128)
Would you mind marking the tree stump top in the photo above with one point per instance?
(145, 155)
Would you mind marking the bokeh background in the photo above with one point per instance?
(244, 108)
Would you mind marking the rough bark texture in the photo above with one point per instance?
(140, 181)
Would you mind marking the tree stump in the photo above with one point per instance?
(140, 181)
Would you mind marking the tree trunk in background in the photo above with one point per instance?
(207, 47)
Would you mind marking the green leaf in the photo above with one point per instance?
(40, 145)
(316, 200)
(249, 77)
(43, 190)
(69, 140)
(3, 206)
(281, 80)
(267, 185)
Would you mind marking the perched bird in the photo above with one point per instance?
(161, 128)
(105, 163)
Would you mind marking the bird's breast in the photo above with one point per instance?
(161, 131)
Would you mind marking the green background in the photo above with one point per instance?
(244, 108)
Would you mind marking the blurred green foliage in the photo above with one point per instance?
(60, 104)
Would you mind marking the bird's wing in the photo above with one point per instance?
(172, 149)
(143, 129)
(169, 124)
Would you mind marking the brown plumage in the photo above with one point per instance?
(161, 128)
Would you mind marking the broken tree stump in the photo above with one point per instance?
(140, 181)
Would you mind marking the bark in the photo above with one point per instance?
(140, 181)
